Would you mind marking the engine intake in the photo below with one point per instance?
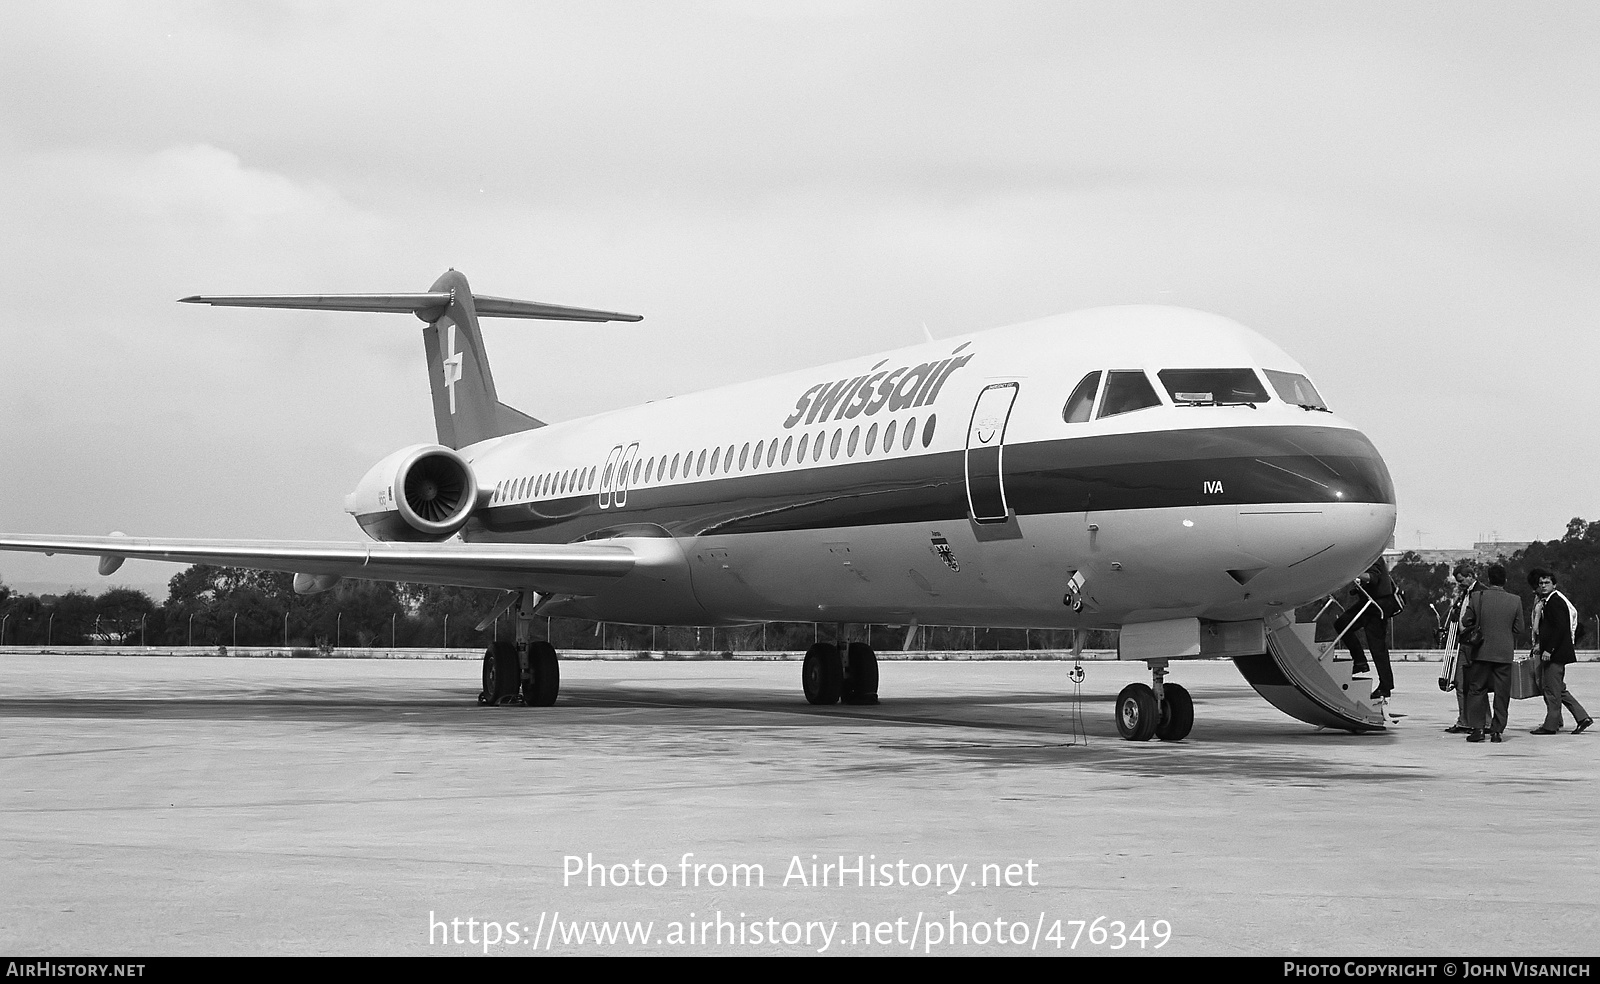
(421, 493)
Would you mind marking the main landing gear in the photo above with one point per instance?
(830, 675)
(523, 672)
(1164, 711)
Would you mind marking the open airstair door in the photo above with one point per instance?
(1297, 678)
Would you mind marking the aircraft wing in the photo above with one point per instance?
(550, 568)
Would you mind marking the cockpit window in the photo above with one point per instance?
(1213, 387)
(1082, 400)
(1127, 390)
(1297, 389)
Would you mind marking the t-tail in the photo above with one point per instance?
(466, 408)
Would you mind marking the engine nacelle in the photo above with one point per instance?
(424, 492)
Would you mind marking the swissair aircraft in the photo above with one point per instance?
(1157, 470)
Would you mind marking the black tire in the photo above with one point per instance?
(822, 674)
(501, 673)
(861, 675)
(1136, 712)
(544, 683)
(1177, 713)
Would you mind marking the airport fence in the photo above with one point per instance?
(619, 655)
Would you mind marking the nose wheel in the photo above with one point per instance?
(1137, 713)
(1177, 714)
(1164, 711)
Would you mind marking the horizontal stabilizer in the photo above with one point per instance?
(428, 305)
(505, 307)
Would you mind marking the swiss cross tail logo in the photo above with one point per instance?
(452, 366)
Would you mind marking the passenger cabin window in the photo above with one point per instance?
(1127, 390)
(1213, 387)
(1081, 403)
(1292, 387)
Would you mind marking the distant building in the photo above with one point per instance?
(1500, 549)
(1430, 555)
(1485, 551)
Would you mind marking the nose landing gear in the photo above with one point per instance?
(1164, 711)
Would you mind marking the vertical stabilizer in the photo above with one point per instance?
(466, 408)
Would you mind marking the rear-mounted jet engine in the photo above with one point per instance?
(421, 493)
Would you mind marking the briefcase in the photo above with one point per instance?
(1525, 678)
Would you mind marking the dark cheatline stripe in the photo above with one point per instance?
(1124, 471)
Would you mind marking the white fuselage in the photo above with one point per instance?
(986, 506)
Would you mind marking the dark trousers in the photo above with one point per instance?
(1376, 628)
(1483, 677)
(1553, 680)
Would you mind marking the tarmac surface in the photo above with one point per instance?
(199, 805)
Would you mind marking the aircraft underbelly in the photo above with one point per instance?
(1131, 565)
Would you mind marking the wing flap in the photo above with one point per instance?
(555, 568)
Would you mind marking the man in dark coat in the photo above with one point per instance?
(1372, 619)
(1467, 585)
(1499, 613)
(1554, 623)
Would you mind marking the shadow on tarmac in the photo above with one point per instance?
(982, 731)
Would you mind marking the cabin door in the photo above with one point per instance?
(986, 491)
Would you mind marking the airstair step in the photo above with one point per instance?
(1299, 678)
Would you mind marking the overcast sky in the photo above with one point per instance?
(1402, 195)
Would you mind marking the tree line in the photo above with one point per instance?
(227, 607)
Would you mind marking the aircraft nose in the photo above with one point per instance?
(1331, 512)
